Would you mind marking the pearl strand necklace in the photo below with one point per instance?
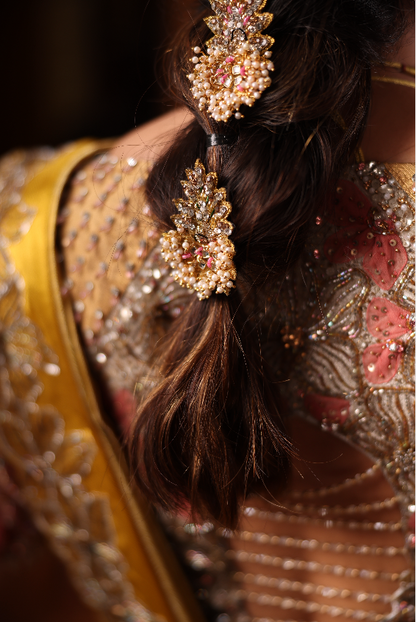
(347, 483)
(301, 543)
(280, 517)
(301, 605)
(360, 508)
(309, 588)
(287, 563)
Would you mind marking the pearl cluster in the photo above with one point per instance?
(235, 69)
(199, 251)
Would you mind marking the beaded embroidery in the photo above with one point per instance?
(47, 463)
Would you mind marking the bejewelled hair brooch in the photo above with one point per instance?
(199, 251)
(235, 68)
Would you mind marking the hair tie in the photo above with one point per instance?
(216, 140)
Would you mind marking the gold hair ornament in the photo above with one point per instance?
(199, 251)
(235, 68)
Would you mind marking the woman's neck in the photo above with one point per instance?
(389, 135)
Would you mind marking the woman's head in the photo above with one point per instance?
(212, 430)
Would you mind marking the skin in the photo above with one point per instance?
(390, 131)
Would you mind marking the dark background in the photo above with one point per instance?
(74, 68)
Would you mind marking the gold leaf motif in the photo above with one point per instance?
(199, 251)
(235, 68)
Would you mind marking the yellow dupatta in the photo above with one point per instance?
(92, 520)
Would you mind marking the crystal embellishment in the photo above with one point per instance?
(199, 251)
(234, 69)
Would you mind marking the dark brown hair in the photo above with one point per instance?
(212, 430)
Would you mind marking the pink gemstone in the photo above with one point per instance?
(246, 19)
(240, 88)
(229, 9)
(223, 79)
(229, 59)
(187, 256)
(198, 251)
(209, 262)
(219, 71)
(243, 71)
(361, 166)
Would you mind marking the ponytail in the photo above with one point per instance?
(212, 430)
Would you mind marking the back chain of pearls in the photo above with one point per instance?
(235, 69)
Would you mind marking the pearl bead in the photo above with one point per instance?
(238, 115)
(268, 54)
(256, 95)
(255, 64)
(192, 280)
(195, 59)
(230, 284)
(197, 50)
(185, 244)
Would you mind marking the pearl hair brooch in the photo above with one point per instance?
(199, 251)
(235, 69)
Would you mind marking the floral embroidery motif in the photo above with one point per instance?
(388, 322)
(365, 235)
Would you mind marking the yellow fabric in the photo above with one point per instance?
(156, 579)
